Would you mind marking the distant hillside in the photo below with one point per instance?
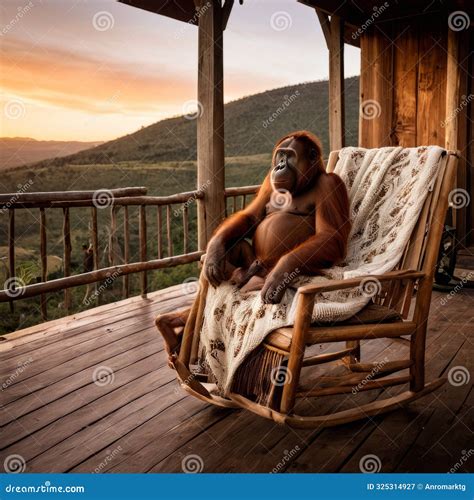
(20, 150)
(252, 125)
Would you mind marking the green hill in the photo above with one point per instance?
(252, 125)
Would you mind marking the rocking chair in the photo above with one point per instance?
(387, 317)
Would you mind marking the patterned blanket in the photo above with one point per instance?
(387, 188)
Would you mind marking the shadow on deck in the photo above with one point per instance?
(135, 417)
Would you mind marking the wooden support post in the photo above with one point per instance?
(67, 247)
(11, 250)
(44, 262)
(126, 252)
(210, 126)
(336, 83)
(143, 250)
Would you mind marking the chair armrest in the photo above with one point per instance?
(401, 274)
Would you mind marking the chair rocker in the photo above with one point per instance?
(388, 317)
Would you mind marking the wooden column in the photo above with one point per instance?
(336, 83)
(210, 126)
(453, 78)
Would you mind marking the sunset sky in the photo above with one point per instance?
(96, 69)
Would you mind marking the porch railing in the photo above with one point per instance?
(118, 204)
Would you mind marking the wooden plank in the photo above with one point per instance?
(105, 431)
(210, 126)
(336, 84)
(53, 390)
(405, 89)
(81, 407)
(107, 315)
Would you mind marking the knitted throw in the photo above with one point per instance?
(387, 188)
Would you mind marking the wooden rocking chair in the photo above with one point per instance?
(388, 317)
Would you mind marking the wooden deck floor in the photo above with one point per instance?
(137, 419)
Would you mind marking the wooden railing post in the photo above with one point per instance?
(44, 262)
(11, 249)
(67, 248)
(143, 249)
(210, 126)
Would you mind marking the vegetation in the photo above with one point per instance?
(160, 157)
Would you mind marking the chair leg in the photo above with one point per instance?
(295, 361)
